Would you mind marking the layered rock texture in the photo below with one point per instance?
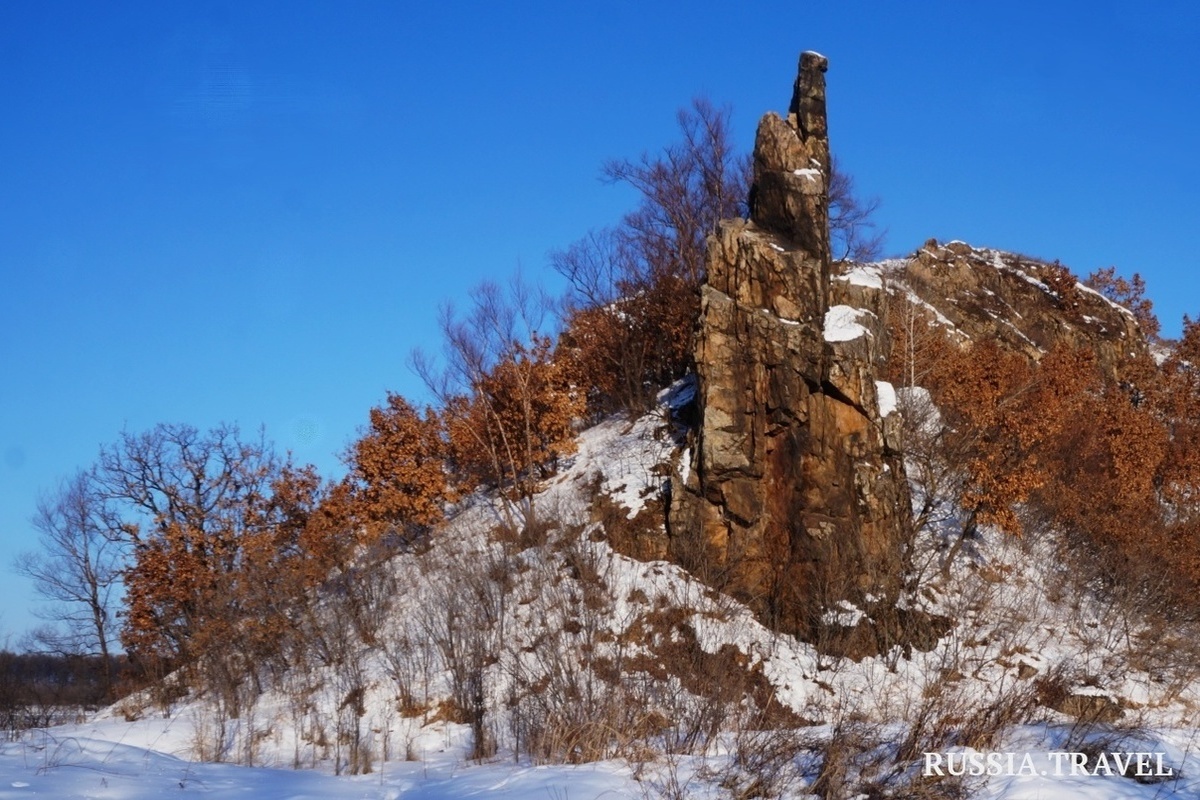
(1015, 301)
(795, 500)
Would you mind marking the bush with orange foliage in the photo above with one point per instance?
(508, 401)
(397, 481)
(518, 422)
(1065, 288)
(625, 351)
(1175, 399)
(1007, 414)
(1116, 467)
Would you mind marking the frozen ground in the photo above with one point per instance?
(85, 762)
(108, 761)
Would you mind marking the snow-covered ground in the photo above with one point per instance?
(135, 763)
(107, 761)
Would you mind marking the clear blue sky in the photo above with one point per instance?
(250, 211)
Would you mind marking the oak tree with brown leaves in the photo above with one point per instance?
(1007, 412)
(1113, 466)
(507, 401)
(398, 471)
(1175, 400)
(219, 529)
(1129, 293)
(1065, 289)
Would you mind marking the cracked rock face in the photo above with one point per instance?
(1002, 297)
(797, 502)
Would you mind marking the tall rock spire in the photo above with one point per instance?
(796, 501)
(807, 109)
(791, 161)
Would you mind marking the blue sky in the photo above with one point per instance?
(251, 211)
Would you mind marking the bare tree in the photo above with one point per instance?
(686, 190)
(506, 401)
(635, 287)
(78, 569)
(174, 474)
(852, 234)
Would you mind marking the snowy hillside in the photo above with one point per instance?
(479, 665)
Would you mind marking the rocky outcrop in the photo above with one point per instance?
(795, 500)
(1015, 301)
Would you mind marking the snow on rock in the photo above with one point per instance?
(842, 324)
(868, 275)
(1083, 287)
(810, 175)
(999, 263)
(628, 456)
(887, 397)
(845, 614)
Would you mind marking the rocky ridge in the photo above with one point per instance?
(1015, 301)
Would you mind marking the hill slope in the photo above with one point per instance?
(561, 649)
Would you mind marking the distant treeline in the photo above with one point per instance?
(38, 689)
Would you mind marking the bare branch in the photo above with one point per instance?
(852, 232)
(78, 569)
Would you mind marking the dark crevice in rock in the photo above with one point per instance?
(832, 391)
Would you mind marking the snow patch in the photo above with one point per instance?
(845, 614)
(864, 275)
(842, 324)
(887, 397)
(1083, 287)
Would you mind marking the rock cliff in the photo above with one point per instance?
(1024, 304)
(795, 500)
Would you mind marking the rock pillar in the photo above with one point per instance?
(795, 500)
